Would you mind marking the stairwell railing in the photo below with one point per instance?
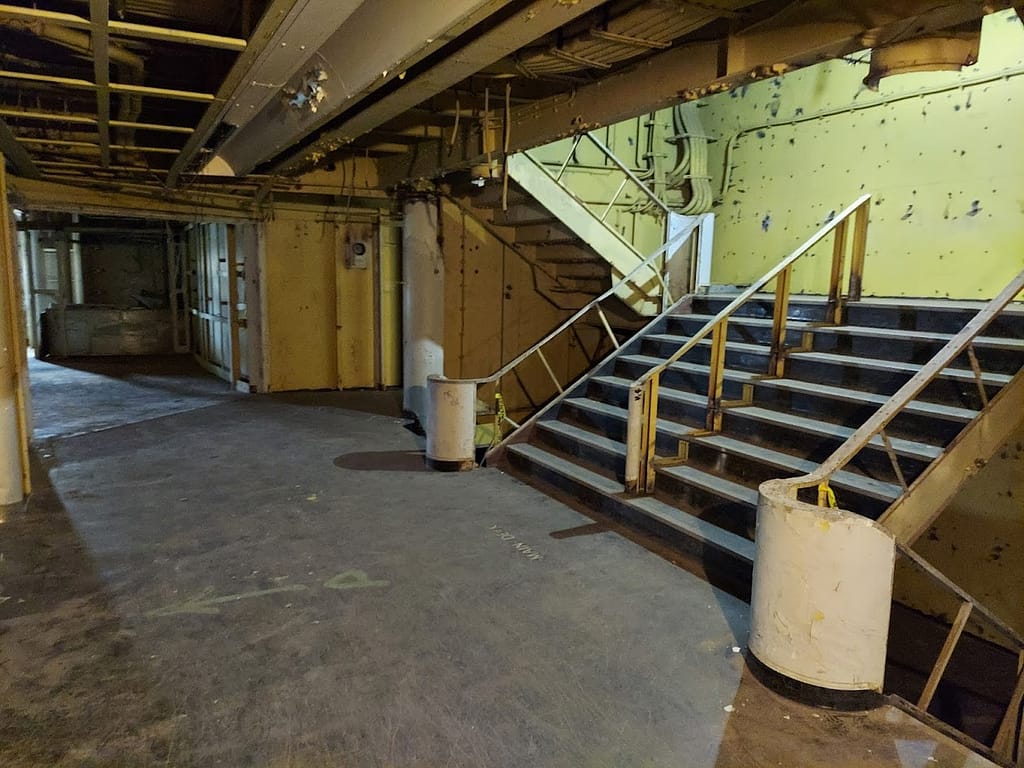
(643, 398)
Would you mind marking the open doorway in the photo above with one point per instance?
(129, 319)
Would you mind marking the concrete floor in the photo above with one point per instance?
(274, 581)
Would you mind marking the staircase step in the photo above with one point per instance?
(778, 419)
(898, 334)
(592, 440)
(692, 528)
(564, 467)
(855, 396)
(850, 481)
(665, 393)
(714, 484)
(682, 366)
(609, 411)
(703, 532)
(492, 196)
(895, 366)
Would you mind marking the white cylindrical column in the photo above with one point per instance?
(819, 607)
(451, 443)
(422, 305)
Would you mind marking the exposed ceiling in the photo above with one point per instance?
(143, 95)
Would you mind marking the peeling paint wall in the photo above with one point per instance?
(945, 170)
(493, 312)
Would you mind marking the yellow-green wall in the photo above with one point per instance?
(945, 170)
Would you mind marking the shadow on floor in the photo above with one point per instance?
(67, 661)
(383, 461)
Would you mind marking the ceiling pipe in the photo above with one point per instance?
(131, 68)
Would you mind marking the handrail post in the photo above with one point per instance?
(641, 435)
(860, 239)
(780, 313)
(635, 420)
(716, 371)
(835, 282)
(572, 151)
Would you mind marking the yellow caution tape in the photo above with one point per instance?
(499, 419)
(826, 496)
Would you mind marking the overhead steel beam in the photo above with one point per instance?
(273, 19)
(363, 56)
(75, 82)
(526, 26)
(123, 28)
(99, 14)
(45, 196)
(17, 154)
(691, 72)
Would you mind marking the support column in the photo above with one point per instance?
(14, 470)
(422, 303)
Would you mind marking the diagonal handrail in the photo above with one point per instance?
(643, 402)
(892, 407)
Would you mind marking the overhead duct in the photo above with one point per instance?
(317, 81)
(945, 51)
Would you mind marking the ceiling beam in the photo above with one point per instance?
(17, 154)
(99, 13)
(74, 82)
(531, 23)
(64, 117)
(91, 145)
(361, 57)
(265, 31)
(692, 72)
(123, 28)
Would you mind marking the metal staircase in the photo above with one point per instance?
(882, 407)
(574, 239)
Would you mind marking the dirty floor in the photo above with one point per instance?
(228, 580)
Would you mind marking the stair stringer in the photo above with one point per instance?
(642, 293)
(912, 514)
(495, 457)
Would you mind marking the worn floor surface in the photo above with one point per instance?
(276, 582)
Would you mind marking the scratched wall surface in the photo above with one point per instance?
(978, 542)
(945, 171)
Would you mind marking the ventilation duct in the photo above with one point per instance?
(946, 51)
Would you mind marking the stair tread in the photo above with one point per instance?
(693, 526)
(679, 395)
(717, 485)
(882, 302)
(672, 428)
(987, 342)
(910, 448)
(593, 439)
(567, 468)
(683, 365)
(765, 322)
(953, 413)
(738, 346)
(876, 489)
(878, 364)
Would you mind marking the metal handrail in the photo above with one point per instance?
(905, 394)
(643, 401)
(592, 304)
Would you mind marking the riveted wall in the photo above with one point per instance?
(944, 168)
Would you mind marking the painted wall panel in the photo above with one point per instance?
(944, 167)
(355, 307)
(299, 327)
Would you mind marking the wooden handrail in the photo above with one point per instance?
(643, 401)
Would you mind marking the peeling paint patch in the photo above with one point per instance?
(766, 222)
(975, 208)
